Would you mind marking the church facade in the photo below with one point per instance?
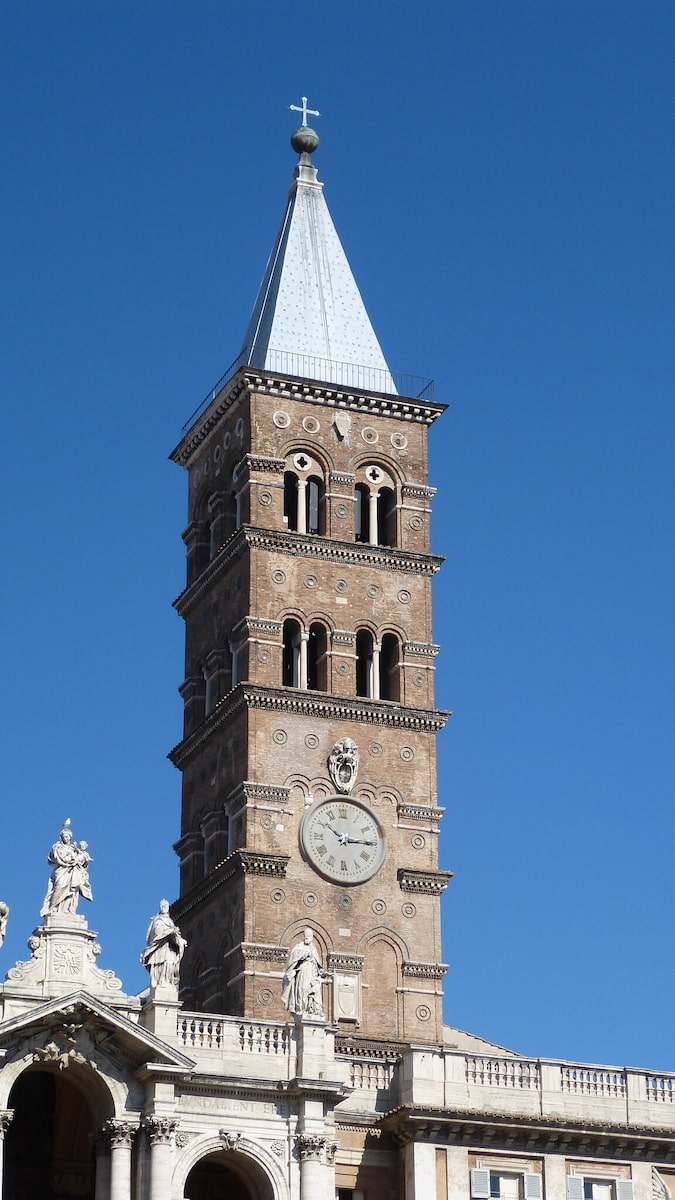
(291, 1044)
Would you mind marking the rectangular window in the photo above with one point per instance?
(505, 1185)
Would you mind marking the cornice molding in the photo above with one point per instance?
(419, 812)
(307, 704)
(266, 383)
(241, 862)
(481, 1128)
(428, 883)
(424, 970)
(278, 541)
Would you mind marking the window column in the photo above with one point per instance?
(372, 517)
(6, 1115)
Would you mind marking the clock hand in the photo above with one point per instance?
(359, 842)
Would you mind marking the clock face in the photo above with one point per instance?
(343, 840)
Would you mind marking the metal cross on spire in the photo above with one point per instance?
(306, 112)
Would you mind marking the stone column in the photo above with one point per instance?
(302, 506)
(6, 1115)
(375, 690)
(160, 1131)
(302, 672)
(372, 517)
(121, 1138)
(312, 1148)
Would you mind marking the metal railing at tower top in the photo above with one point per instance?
(327, 371)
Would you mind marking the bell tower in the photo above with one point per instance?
(308, 752)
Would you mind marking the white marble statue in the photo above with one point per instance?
(70, 877)
(301, 985)
(164, 948)
(4, 913)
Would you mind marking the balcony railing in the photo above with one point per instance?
(325, 370)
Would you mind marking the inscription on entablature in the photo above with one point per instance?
(226, 1104)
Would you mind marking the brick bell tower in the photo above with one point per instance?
(308, 754)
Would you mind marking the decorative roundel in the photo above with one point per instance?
(265, 996)
(341, 510)
(216, 454)
(342, 668)
(227, 438)
(266, 822)
(239, 429)
(370, 435)
(302, 461)
(419, 680)
(416, 522)
(408, 909)
(346, 902)
(265, 498)
(277, 895)
(278, 577)
(423, 1012)
(374, 474)
(310, 899)
(417, 841)
(280, 737)
(407, 753)
(263, 654)
(379, 908)
(341, 585)
(311, 425)
(373, 591)
(342, 839)
(311, 741)
(404, 596)
(375, 750)
(310, 581)
(281, 419)
(399, 441)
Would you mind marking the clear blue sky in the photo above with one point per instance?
(501, 175)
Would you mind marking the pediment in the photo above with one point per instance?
(77, 1024)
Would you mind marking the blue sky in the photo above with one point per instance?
(501, 175)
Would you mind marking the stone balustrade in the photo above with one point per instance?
(268, 1047)
(543, 1088)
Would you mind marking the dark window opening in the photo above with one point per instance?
(290, 676)
(362, 514)
(386, 517)
(364, 663)
(390, 673)
(291, 500)
(317, 659)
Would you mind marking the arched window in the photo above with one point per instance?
(313, 504)
(390, 668)
(290, 676)
(317, 658)
(362, 515)
(386, 517)
(304, 494)
(365, 674)
(291, 500)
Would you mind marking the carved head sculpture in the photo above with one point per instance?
(343, 763)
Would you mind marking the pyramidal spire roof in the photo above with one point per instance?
(309, 319)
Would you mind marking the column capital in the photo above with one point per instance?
(160, 1130)
(6, 1115)
(118, 1133)
(310, 1146)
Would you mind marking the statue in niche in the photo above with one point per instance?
(4, 914)
(343, 763)
(164, 948)
(301, 985)
(70, 877)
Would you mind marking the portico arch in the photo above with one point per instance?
(210, 1167)
(49, 1145)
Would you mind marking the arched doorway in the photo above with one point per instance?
(223, 1174)
(49, 1146)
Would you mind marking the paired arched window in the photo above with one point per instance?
(378, 666)
(375, 508)
(303, 494)
(305, 656)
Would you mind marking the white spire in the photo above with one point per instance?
(309, 318)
